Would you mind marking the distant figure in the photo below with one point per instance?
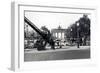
(80, 42)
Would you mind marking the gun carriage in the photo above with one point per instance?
(44, 36)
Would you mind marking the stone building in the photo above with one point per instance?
(58, 33)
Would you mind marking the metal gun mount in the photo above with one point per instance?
(47, 37)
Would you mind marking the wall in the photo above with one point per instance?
(5, 38)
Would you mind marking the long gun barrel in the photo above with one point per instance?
(43, 35)
(33, 26)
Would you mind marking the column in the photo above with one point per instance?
(61, 35)
(57, 35)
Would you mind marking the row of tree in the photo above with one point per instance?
(80, 29)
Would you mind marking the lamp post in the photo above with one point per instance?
(71, 29)
(78, 35)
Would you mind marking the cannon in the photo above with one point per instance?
(45, 37)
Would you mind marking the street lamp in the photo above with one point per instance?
(78, 35)
(71, 29)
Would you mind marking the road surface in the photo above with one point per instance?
(59, 54)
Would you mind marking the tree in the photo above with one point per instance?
(83, 29)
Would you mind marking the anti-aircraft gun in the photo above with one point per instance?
(45, 36)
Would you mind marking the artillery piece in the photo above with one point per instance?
(45, 36)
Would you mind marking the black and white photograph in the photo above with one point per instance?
(50, 35)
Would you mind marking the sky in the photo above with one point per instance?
(52, 20)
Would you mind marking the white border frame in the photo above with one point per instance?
(17, 57)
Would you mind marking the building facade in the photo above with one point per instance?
(58, 33)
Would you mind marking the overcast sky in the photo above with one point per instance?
(52, 20)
